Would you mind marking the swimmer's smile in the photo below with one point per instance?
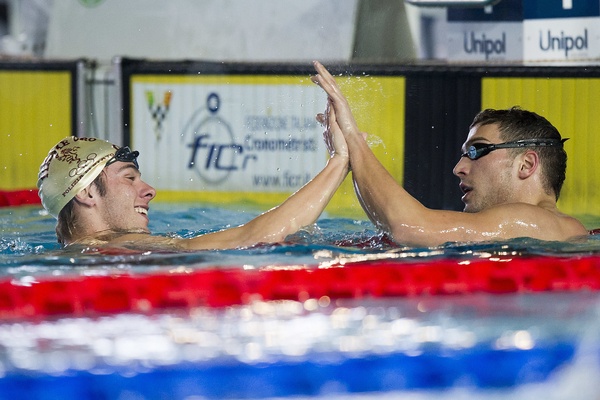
(141, 210)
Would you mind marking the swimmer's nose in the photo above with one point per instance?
(461, 167)
(149, 192)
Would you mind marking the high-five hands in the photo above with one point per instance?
(333, 136)
(337, 102)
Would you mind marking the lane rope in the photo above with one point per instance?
(80, 296)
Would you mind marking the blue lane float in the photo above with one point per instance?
(321, 375)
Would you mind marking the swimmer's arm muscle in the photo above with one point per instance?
(301, 209)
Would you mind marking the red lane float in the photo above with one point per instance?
(79, 296)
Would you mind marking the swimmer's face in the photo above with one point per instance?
(125, 204)
(486, 181)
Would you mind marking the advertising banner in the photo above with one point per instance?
(562, 31)
(227, 133)
(491, 33)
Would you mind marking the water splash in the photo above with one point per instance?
(375, 141)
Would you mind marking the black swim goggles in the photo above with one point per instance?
(478, 150)
(124, 154)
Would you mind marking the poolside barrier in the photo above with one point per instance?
(9, 198)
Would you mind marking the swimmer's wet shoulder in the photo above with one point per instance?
(520, 219)
(137, 240)
(500, 222)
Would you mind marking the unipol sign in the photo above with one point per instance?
(561, 32)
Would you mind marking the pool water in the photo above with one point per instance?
(28, 243)
(426, 346)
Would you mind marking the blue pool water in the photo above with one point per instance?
(483, 346)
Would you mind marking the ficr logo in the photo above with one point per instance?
(214, 153)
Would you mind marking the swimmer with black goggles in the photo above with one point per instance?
(124, 154)
(478, 150)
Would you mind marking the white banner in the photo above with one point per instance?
(228, 137)
(485, 41)
(565, 40)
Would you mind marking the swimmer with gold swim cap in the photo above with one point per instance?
(72, 165)
(95, 190)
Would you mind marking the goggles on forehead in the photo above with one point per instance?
(478, 150)
(124, 154)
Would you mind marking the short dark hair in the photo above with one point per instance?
(65, 223)
(517, 124)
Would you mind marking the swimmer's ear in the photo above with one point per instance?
(528, 164)
(86, 197)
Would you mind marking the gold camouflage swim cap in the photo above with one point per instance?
(70, 166)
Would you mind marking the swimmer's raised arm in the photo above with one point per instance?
(517, 206)
(301, 209)
(379, 194)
